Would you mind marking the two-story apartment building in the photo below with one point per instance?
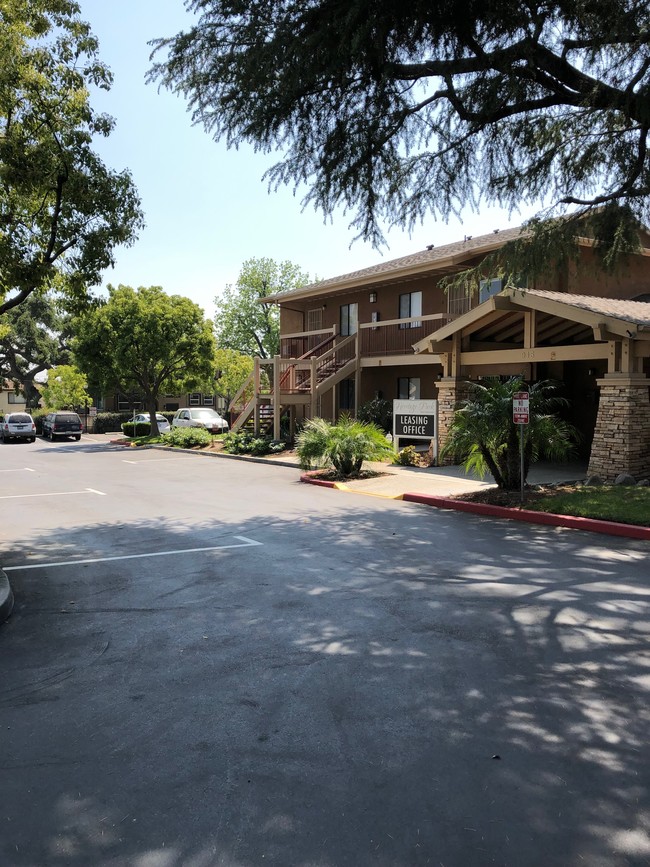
(390, 330)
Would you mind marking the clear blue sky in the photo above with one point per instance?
(207, 208)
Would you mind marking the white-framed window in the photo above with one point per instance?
(315, 319)
(195, 399)
(208, 400)
(410, 305)
(488, 288)
(459, 300)
(408, 388)
(349, 319)
(124, 403)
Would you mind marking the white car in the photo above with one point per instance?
(203, 417)
(19, 426)
(145, 418)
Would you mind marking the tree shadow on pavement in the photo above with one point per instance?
(394, 688)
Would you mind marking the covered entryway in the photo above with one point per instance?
(599, 347)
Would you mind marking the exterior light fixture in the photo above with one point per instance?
(373, 297)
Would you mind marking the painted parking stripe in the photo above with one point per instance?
(155, 460)
(54, 494)
(244, 542)
(19, 470)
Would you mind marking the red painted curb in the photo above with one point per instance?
(593, 525)
(310, 480)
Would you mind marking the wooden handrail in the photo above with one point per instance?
(309, 354)
(430, 317)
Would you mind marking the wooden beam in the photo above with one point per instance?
(530, 329)
(584, 352)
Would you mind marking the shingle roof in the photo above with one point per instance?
(630, 311)
(436, 255)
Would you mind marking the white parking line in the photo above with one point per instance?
(54, 494)
(245, 543)
(19, 470)
(154, 460)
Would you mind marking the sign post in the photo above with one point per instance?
(520, 416)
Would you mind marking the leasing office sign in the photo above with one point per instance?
(415, 419)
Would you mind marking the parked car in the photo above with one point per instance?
(200, 417)
(62, 424)
(145, 418)
(19, 426)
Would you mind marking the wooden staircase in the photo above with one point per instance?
(296, 381)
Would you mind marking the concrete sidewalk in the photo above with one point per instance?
(452, 481)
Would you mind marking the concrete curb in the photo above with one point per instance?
(591, 525)
(6, 597)
(246, 458)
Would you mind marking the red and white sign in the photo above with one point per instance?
(520, 407)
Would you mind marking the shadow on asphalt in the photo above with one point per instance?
(383, 704)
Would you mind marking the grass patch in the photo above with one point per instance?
(626, 505)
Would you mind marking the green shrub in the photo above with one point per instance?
(38, 415)
(407, 457)
(108, 422)
(377, 411)
(187, 437)
(140, 429)
(247, 443)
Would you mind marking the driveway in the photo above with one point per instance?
(211, 664)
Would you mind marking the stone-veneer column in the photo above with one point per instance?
(621, 441)
(450, 392)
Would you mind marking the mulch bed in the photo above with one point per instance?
(512, 499)
(333, 476)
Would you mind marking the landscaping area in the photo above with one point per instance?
(622, 504)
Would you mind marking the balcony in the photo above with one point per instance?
(376, 339)
(397, 336)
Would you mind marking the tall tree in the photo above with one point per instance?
(66, 387)
(61, 208)
(395, 110)
(244, 324)
(34, 339)
(144, 341)
(233, 369)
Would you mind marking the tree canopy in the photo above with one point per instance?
(146, 342)
(66, 387)
(244, 324)
(397, 110)
(62, 211)
(233, 369)
(34, 338)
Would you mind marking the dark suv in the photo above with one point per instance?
(62, 424)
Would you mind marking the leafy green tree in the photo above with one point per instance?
(144, 341)
(35, 338)
(343, 446)
(485, 437)
(61, 209)
(233, 369)
(396, 110)
(66, 387)
(244, 324)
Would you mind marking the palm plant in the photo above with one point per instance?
(484, 435)
(343, 446)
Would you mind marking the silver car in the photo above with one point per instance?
(203, 417)
(163, 424)
(19, 426)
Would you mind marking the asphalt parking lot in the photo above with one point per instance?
(209, 663)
